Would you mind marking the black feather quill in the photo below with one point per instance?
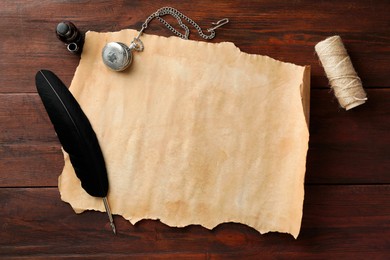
(75, 134)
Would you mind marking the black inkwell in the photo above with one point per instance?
(68, 33)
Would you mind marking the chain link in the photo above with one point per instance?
(179, 16)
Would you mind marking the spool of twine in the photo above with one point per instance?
(342, 77)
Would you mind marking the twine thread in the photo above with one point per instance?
(342, 77)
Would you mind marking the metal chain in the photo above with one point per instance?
(137, 44)
(179, 16)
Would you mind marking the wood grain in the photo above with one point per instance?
(285, 30)
(338, 219)
(347, 198)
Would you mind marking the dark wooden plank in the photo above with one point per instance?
(30, 153)
(24, 120)
(349, 146)
(124, 257)
(340, 221)
(345, 146)
(285, 30)
(30, 165)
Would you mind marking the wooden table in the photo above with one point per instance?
(347, 198)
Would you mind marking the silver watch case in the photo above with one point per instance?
(117, 56)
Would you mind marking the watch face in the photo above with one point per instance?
(117, 56)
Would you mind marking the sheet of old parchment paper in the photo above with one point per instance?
(195, 133)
